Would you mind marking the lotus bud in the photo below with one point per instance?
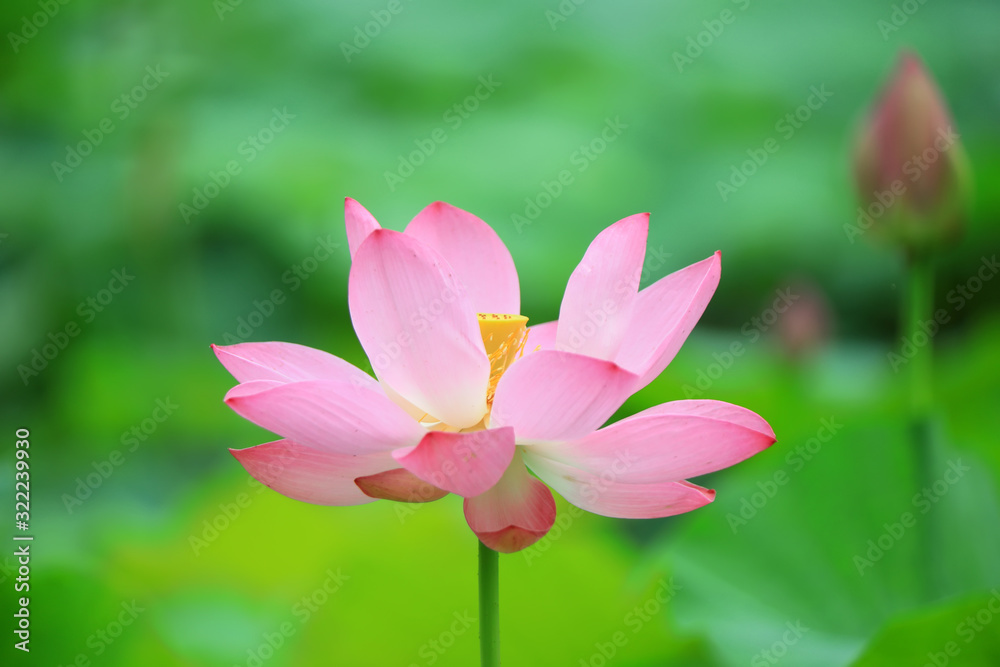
(910, 167)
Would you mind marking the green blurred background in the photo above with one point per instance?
(141, 535)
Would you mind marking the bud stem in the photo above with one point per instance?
(919, 312)
(489, 606)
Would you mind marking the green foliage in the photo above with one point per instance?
(199, 277)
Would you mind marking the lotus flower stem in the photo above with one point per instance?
(489, 606)
(919, 311)
(920, 306)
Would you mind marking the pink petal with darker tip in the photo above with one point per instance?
(600, 296)
(359, 222)
(286, 362)
(480, 259)
(309, 474)
(333, 416)
(605, 495)
(418, 328)
(669, 442)
(664, 315)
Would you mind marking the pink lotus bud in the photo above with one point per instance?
(805, 326)
(909, 165)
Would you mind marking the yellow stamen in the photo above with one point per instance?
(504, 337)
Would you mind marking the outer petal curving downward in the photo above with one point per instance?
(309, 474)
(418, 328)
(553, 395)
(514, 514)
(667, 443)
(471, 247)
(399, 485)
(600, 296)
(466, 464)
(287, 362)
(605, 495)
(664, 315)
(333, 416)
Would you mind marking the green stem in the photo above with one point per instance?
(489, 606)
(919, 312)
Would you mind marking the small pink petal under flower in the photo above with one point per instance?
(333, 416)
(481, 261)
(514, 514)
(669, 442)
(664, 315)
(399, 485)
(597, 306)
(286, 362)
(360, 223)
(604, 494)
(311, 475)
(466, 464)
(418, 328)
(553, 395)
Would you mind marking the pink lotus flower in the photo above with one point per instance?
(468, 399)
